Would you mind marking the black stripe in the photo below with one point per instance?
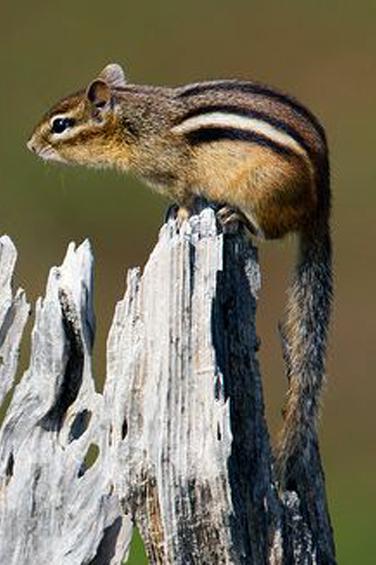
(241, 111)
(130, 126)
(209, 134)
(254, 88)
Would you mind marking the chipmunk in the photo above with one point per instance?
(251, 148)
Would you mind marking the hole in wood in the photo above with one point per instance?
(79, 425)
(10, 466)
(124, 429)
(107, 545)
(72, 378)
(89, 460)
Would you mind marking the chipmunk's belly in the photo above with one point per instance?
(275, 191)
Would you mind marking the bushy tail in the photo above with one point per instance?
(304, 343)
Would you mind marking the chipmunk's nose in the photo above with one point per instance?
(31, 145)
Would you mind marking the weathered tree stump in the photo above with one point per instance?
(177, 444)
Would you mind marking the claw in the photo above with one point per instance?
(229, 219)
(232, 220)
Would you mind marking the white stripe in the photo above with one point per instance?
(222, 119)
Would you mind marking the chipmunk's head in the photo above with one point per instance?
(85, 128)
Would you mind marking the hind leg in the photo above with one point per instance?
(275, 194)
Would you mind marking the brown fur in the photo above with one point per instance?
(278, 186)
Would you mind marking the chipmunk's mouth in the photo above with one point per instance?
(46, 152)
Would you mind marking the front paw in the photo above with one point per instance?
(171, 212)
(178, 213)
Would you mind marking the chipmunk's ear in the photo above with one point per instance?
(114, 75)
(99, 94)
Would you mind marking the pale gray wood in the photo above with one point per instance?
(183, 445)
(184, 383)
(52, 511)
(14, 311)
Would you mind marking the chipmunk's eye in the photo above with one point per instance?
(61, 124)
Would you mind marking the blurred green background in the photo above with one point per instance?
(325, 54)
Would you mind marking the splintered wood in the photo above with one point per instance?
(176, 445)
